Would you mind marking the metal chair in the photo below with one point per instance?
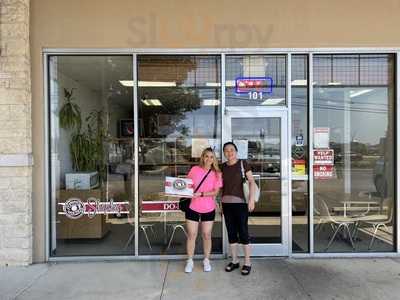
(144, 228)
(378, 221)
(337, 223)
(175, 227)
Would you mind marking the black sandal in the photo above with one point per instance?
(245, 270)
(231, 266)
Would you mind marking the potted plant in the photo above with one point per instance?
(87, 142)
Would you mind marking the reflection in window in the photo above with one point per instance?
(179, 115)
(299, 146)
(353, 153)
(272, 67)
(91, 119)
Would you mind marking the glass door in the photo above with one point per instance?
(261, 136)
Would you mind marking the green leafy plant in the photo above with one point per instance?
(70, 113)
(97, 133)
(82, 152)
(87, 142)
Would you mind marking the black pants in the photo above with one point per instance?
(236, 217)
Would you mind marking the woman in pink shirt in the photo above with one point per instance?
(202, 206)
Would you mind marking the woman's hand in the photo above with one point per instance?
(251, 205)
(195, 195)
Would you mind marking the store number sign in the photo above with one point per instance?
(254, 87)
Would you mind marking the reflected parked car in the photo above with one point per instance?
(380, 181)
(354, 156)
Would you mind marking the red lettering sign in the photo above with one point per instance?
(324, 157)
(159, 206)
(324, 172)
(251, 84)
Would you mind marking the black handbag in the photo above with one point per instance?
(184, 203)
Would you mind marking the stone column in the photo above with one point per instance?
(15, 135)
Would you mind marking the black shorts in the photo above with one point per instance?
(197, 217)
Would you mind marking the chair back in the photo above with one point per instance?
(324, 209)
(390, 210)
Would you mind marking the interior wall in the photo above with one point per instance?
(88, 101)
(192, 24)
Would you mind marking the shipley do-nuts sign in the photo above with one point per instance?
(74, 208)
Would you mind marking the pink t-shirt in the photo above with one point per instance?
(212, 182)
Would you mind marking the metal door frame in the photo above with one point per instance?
(281, 249)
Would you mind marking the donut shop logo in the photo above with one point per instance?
(75, 208)
(179, 184)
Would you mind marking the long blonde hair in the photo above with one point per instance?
(214, 165)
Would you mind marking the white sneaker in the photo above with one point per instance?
(206, 265)
(189, 266)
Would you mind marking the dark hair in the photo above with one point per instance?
(229, 143)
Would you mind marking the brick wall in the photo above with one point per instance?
(15, 135)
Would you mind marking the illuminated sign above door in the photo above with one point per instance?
(245, 85)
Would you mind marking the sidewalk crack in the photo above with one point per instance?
(165, 279)
(29, 285)
(298, 281)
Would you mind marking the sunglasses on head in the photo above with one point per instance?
(210, 149)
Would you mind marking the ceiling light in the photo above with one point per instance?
(151, 102)
(126, 82)
(273, 101)
(213, 84)
(334, 83)
(157, 83)
(299, 82)
(230, 83)
(211, 102)
(359, 93)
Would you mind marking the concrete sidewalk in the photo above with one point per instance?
(270, 279)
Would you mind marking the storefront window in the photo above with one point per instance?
(179, 101)
(91, 155)
(354, 153)
(299, 146)
(253, 80)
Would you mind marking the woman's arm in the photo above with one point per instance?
(252, 185)
(212, 193)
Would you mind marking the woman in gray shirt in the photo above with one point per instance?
(234, 206)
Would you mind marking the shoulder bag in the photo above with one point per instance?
(246, 186)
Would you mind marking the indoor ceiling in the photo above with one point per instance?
(100, 74)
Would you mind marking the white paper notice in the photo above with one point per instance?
(243, 148)
(198, 145)
(321, 137)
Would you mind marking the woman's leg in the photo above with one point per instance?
(206, 229)
(231, 227)
(247, 253)
(234, 255)
(192, 229)
(242, 219)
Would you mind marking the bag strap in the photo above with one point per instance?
(201, 182)
(242, 171)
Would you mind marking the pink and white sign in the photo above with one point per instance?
(74, 208)
(179, 186)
